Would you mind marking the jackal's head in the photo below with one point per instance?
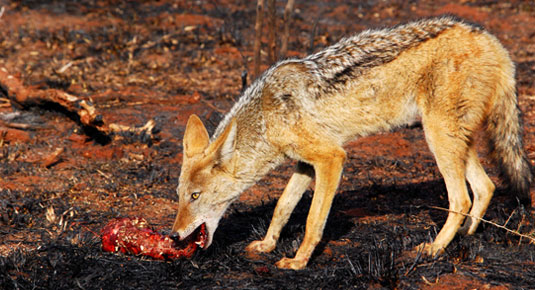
(207, 182)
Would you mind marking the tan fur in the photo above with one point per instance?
(455, 76)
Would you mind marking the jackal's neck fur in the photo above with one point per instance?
(329, 71)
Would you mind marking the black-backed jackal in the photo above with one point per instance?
(455, 76)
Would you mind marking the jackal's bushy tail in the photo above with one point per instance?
(504, 128)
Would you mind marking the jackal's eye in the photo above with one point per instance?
(195, 195)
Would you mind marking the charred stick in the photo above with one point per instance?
(86, 113)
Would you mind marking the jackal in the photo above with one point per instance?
(453, 75)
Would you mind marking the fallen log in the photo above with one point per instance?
(82, 110)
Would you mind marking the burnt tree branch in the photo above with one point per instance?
(83, 111)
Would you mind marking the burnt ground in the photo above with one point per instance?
(141, 60)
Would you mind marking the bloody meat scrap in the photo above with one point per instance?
(133, 235)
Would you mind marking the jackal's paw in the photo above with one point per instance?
(292, 263)
(261, 246)
(431, 250)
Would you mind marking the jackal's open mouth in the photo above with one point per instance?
(198, 236)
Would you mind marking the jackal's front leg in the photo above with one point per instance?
(328, 163)
(290, 197)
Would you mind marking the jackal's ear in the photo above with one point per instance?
(223, 147)
(196, 138)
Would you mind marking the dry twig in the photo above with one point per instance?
(4, 102)
(14, 125)
(531, 238)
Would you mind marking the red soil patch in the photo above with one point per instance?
(457, 281)
(14, 135)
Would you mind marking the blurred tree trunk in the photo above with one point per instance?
(286, 33)
(272, 29)
(258, 37)
(271, 15)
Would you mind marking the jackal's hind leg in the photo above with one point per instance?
(482, 188)
(450, 153)
(290, 197)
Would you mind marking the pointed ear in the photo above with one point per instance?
(196, 138)
(223, 147)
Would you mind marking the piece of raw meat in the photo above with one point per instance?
(133, 235)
